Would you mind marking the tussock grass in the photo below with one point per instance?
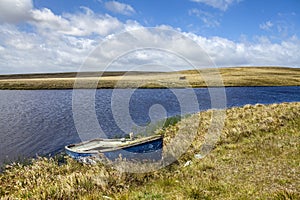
(256, 157)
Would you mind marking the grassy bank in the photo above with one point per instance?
(237, 76)
(257, 156)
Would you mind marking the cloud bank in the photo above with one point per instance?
(14, 11)
(59, 43)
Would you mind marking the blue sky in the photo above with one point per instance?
(58, 35)
(230, 20)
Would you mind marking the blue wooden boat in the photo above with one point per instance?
(142, 149)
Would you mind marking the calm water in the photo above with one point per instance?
(41, 122)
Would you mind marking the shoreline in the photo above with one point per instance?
(260, 142)
(147, 88)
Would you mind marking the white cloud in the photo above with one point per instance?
(80, 24)
(45, 19)
(31, 52)
(154, 47)
(223, 52)
(263, 52)
(219, 4)
(14, 11)
(207, 18)
(120, 8)
(58, 42)
(266, 26)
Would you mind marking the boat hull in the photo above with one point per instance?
(151, 150)
(148, 149)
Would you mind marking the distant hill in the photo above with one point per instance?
(231, 76)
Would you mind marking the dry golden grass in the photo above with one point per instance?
(237, 76)
(263, 76)
(257, 156)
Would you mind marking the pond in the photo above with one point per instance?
(41, 122)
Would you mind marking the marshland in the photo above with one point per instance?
(234, 76)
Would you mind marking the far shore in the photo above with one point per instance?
(229, 77)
